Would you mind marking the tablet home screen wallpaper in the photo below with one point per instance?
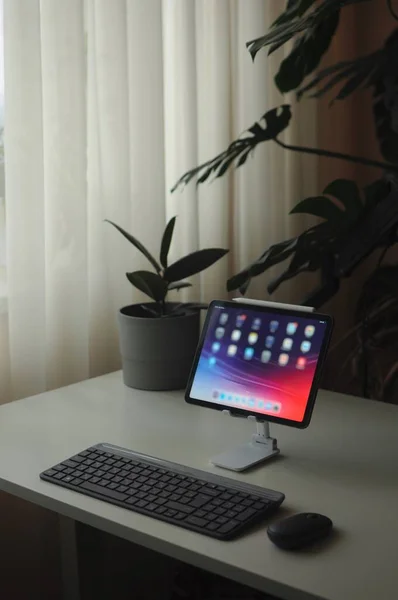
(259, 361)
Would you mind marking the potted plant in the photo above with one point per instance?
(355, 222)
(158, 339)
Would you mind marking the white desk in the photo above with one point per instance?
(344, 465)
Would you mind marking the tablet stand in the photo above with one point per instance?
(262, 447)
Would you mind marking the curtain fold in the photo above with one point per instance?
(107, 104)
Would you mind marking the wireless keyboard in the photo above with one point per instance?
(203, 502)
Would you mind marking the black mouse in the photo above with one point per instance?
(299, 530)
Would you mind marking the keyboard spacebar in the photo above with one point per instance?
(103, 491)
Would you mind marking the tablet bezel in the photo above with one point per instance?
(247, 307)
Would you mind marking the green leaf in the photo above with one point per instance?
(319, 206)
(193, 263)
(276, 120)
(149, 283)
(137, 244)
(375, 192)
(178, 285)
(272, 256)
(306, 54)
(347, 192)
(294, 9)
(166, 241)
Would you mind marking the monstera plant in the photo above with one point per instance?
(354, 221)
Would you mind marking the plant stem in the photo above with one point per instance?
(354, 159)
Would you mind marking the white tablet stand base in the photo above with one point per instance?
(261, 448)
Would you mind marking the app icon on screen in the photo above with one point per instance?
(305, 346)
(256, 324)
(276, 408)
(220, 332)
(240, 320)
(253, 337)
(269, 341)
(261, 404)
(215, 394)
(212, 361)
(283, 359)
(291, 328)
(251, 402)
(223, 318)
(235, 335)
(287, 344)
(309, 331)
(232, 350)
(265, 356)
(301, 362)
(249, 352)
(222, 396)
(273, 326)
(215, 346)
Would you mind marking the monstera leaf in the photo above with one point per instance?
(378, 71)
(274, 122)
(312, 31)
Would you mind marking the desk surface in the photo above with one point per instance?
(344, 465)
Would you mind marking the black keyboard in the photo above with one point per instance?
(203, 502)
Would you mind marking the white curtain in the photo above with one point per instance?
(107, 103)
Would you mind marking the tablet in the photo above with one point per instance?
(260, 361)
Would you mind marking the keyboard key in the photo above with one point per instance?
(76, 481)
(196, 521)
(222, 520)
(260, 505)
(247, 514)
(95, 479)
(131, 500)
(199, 501)
(50, 472)
(92, 487)
(210, 491)
(68, 479)
(141, 504)
(230, 526)
(212, 526)
(121, 488)
(112, 486)
(186, 509)
(103, 483)
(160, 510)
(59, 468)
(169, 512)
(59, 476)
(231, 514)
(247, 502)
(219, 510)
(160, 501)
(69, 463)
(226, 496)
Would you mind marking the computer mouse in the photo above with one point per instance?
(299, 530)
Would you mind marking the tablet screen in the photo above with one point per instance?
(263, 361)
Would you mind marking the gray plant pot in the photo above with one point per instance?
(157, 353)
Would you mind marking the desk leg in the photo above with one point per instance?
(69, 559)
